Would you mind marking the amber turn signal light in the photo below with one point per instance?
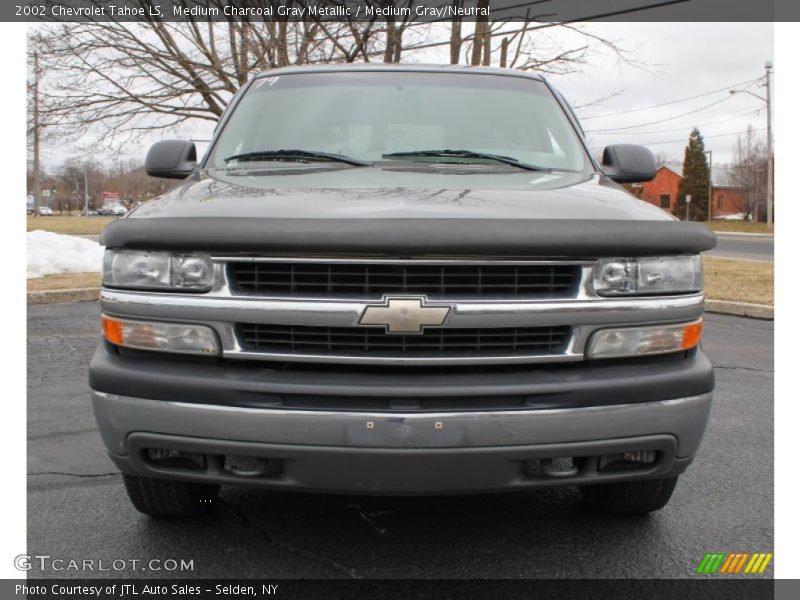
(186, 338)
(691, 335)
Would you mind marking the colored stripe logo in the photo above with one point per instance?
(723, 563)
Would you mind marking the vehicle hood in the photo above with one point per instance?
(405, 210)
(446, 191)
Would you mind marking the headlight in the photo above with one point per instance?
(155, 335)
(664, 275)
(639, 341)
(158, 270)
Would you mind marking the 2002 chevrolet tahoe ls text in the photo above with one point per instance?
(401, 280)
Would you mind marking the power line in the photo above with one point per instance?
(672, 118)
(705, 137)
(625, 112)
(704, 125)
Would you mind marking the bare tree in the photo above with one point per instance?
(122, 79)
(747, 174)
(37, 131)
(108, 83)
(528, 44)
(662, 159)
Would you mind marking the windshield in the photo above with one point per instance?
(369, 116)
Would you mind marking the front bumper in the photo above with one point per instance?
(396, 453)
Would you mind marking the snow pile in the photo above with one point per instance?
(50, 253)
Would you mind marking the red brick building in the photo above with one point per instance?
(662, 191)
(727, 200)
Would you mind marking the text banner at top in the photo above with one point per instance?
(544, 11)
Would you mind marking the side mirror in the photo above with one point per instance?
(171, 159)
(627, 163)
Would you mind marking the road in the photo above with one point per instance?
(77, 508)
(744, 246)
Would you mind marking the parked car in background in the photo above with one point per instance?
(115, 210)
(45, 211)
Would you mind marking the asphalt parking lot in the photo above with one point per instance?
(77, 508)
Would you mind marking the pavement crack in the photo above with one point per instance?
(75, 474)
(735, 368)
(270, 539)
(369, 517)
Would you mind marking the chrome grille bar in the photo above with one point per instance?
(580, 311)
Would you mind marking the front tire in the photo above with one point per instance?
(629, 497)
(168, 498)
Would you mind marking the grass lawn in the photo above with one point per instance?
(739, 280)
(739, 227)
(64, 281)
(70, 225)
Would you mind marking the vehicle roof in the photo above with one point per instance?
(406, 67)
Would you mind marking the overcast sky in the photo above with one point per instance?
(688, 59)
(682, 60)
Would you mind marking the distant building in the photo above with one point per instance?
(662, 191)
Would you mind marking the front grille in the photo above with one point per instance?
(372, 342)
(376, 279)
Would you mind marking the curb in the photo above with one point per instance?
(68, 295)
(741, 309)
(752, 260)
(745, 234)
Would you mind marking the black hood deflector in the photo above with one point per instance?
(579, 238)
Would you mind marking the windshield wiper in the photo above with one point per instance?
(312, 154)
(466, 154)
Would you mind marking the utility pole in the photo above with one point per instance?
(37, 181)
(710, 182)
(768, 101)
(86, 190)
(768, 67)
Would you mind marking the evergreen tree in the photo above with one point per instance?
(695, 180)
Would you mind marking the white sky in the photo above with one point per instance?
(689, 59)
(683, 60)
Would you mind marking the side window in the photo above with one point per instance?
(663, 201)
(720, 201)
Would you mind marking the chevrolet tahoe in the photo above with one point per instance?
(401, 280)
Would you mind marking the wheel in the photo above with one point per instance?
(167, 498)
(629, 497)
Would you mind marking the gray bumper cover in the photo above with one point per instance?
(401, 453)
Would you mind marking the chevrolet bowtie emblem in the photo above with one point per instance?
(404, 315)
